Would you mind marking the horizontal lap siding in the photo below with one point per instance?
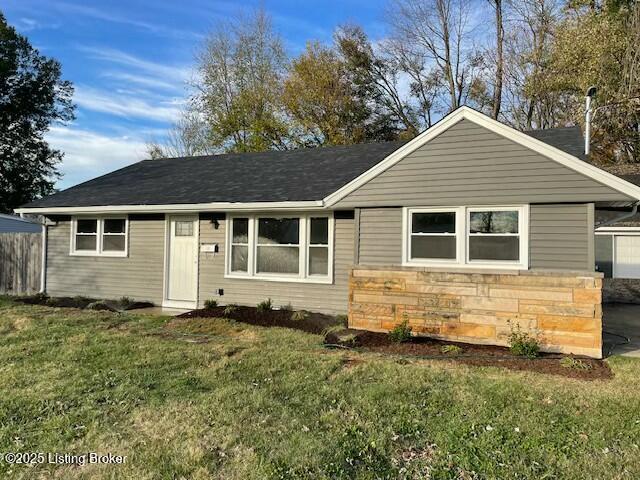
(470, 165)
(560, 237)
(316, 297)
(380, 236)
(139, 275)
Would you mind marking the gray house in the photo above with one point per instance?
(464, 231)
(16, 224)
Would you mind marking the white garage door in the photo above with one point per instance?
(627, 252)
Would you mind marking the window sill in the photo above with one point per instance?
(96, 254)
(282, 279)
(468, 266)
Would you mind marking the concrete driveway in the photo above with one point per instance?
(624, 320)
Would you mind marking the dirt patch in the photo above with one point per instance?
(312, 322)
(478, 355)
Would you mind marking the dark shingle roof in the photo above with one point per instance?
(567, 139)
(297, 175)
(274, 176)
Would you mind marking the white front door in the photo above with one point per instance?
(627, 256)
(182, 262)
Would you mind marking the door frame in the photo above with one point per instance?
(166, 302)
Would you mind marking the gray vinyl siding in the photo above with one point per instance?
(139, 275)
(604, 254)
(327, 298)
(9, 225)
(380, 236)
(468, 164)
(561, 237)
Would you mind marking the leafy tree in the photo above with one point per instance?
(597, 44)
(240, 71)
(320, 98)
(32, 97)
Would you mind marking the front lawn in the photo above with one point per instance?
(201, 398)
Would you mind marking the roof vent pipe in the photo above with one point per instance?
(591, 92)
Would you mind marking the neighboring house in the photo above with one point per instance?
(464, 231)
(15, 224)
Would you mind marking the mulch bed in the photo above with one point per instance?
(81, 302)
(479, 355)
(313, 323)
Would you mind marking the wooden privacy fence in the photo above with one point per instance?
(20, 263)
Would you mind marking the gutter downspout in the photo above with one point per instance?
(624, 216)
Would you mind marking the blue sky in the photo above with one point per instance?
(130, 62)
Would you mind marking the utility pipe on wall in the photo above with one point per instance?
(591, 91)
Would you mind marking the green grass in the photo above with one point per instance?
(215, 399)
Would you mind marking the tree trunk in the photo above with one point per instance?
(497, 90)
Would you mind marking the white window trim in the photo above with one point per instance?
(303, 276)
(98, 252)
(462, 238)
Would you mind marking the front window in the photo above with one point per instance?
(493, 235)
(459, 236)
(280, 248)
(278, 245)
(99, 236)
(433, 235)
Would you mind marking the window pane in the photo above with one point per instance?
(87, 226)
(318, 260)
(114, 225)
(278, 260)
(433, 247)
(278, 230)
(494, 248)
(239, 258)
(86, 242)
(319, 231)
(184, 229)
(493, 222)
(441, 222)
(113, 243)
(240, 230)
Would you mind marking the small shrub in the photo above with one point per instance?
(125, 302)
(574, 363)
(229, 309)
(41, 298)
(523, 344)
(210, 304)
(453, 349)
(299, 315)
(286, 308)
(265, 306)
(401, 332)
(342, 319)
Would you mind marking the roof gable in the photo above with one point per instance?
(619, 188)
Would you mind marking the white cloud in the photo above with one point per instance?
(126, 105)
(89, 154)
(143, 80)
(109, 16)
(158, 70)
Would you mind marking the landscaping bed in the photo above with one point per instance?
(479, 355)
(81, 302)
(335, 335)
(309, 322)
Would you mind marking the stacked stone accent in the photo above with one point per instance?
(561, 309)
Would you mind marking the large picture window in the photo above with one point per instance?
(466, 236)
(287, 248)
(99, 236)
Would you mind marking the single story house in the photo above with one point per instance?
(16, 224)
(465, 231)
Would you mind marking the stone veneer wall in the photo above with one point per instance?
(562, 309)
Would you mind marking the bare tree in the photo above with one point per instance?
(188, 136)
(434, 34)
(499, 67)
